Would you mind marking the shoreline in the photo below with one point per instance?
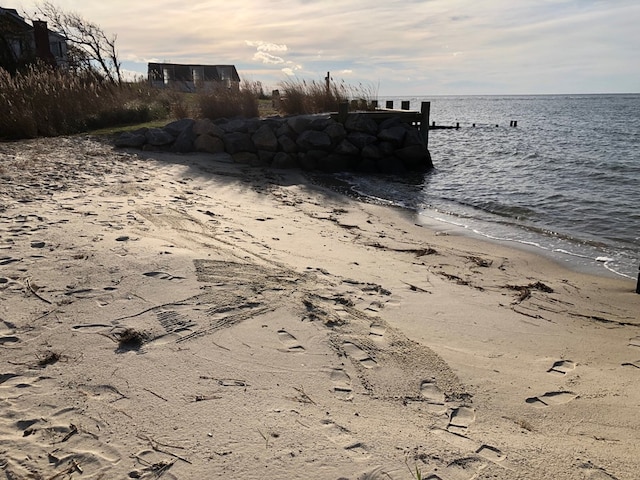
(164, 313)
(435, 218)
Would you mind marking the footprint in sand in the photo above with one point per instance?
(290, 341)
(341, 384)
(162, 276)
(562, 367)
(460, 419)
(342, 437)
(355, 352)
(8, 260)
(377, 331)
(433, 397)
(7, 331)
(551, 398)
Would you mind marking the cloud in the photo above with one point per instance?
(267, 58)
(267, 47)
(437, 43)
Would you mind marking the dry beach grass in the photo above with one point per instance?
(166, 316)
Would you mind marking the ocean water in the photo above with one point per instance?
(565, 181)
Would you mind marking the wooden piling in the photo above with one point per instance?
(405, 105)
(425, 111)
(343, 112)
(638, 284)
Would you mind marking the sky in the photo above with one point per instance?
(386, 48)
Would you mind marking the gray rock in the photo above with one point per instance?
(177, 127)
(209, 144)
(313, 140)
(390, 123)
(235, 125)
(158, 137)
(320, 123)
(184, 141)
(336, 132)
(287, 145)
(130, 140)
(360, 139)
(235, 142)
(266, 157)
(361, 123)
(413, 137)
(265, 139)
(415, 157)
(345, 147)
(205, 126)
(299, 123)
(284, 129)
(371, 151)
(394, 135)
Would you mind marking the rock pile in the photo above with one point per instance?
(310, 142)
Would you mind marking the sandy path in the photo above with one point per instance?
(174, 317)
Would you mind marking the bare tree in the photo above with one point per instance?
(90, 48)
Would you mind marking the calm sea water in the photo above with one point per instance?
(565, 181)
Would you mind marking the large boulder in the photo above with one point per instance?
(205, 126)
(287, 145)
(158, 137)
(209, 144)
(394, 135)
(177, 127)
(265, 139)
(357, 122)
(184, 141)
(131, 140)
(235, 142)
(313, 140)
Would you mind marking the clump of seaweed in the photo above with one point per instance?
(49, 358)
(130, 339)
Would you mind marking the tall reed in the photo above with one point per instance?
(302, 97)
(41, 101)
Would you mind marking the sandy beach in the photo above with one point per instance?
(168, 316)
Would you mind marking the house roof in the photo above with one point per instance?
(217, 72)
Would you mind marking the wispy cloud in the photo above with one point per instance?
(408, 47)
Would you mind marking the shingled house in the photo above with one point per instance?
(190, 78)
(21, 43)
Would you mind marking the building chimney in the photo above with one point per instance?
(43, 47)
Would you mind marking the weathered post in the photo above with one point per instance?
(343, 111)
(405, 105)
(389, 104)
(515, 123)
(327, 79)
(425, 111)
(457, 125)
(638, 284)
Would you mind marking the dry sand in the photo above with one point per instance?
(166, 316)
